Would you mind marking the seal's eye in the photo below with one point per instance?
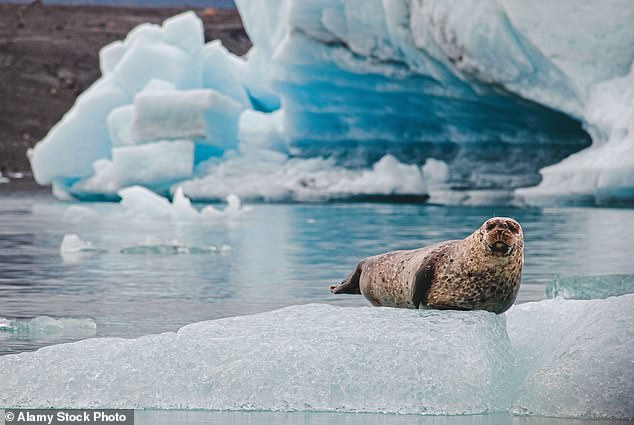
(490, 226)
(513, 227)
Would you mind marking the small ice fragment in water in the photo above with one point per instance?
(73, 247)
(153, 246)
(591, 287)
(43, 326)
(145, 203)
(233, 209)
(3, 179)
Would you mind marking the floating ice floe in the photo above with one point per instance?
(552, 358)
(518, 105)
(4, 179)
(591, 287)
(154, 246)
(145, 203)
(45, 326)
(74, 248)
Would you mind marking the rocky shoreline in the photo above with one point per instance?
(49, 55)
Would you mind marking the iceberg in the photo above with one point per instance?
(536, 360)
(519, 106)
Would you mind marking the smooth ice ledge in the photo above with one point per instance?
(591, 287)
(325, 358)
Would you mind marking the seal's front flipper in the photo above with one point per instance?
(350, 285)
(422, 283)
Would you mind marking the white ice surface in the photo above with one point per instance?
(557, 358)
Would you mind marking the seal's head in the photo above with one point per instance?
(502, 235)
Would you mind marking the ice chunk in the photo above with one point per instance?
(154, 246)
(73, 248)
(149, 52)
(3, 179)
(145, 203)
(203, 114)
(233, 210)
(310, 357)
(591, 287)
(73, 244)
(142, 201)
(156, 165)
(576, 357)
(274, 177)
(45, 326)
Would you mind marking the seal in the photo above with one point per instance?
(481, 272)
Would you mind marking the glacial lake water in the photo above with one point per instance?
(278, 255)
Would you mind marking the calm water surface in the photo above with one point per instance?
(280, 255)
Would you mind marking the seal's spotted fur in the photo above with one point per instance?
(480, 272)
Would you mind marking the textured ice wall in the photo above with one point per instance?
(559, 358)
(445, 73)
(497, 90)
(576, 357)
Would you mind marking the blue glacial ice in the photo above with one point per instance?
(497, 100)
(565, 358)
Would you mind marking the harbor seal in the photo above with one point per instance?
(481, 272)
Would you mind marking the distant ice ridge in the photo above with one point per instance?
(553, 358)
(498, 91)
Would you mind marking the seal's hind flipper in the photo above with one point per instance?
(350, 285)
